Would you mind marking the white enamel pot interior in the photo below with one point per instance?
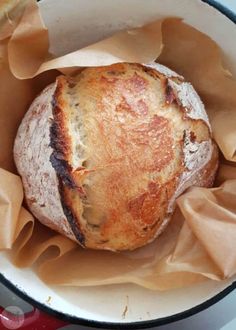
(73, 24)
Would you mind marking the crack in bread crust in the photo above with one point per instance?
(70, 215)
(60, 143)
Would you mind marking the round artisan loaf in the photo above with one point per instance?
(104, 154)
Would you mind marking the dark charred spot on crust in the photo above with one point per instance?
(58, 139)
(59, 142)
(63, 169)
(72, 219)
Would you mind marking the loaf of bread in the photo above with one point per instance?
(104, 154)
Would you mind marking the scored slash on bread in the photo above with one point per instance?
(104, 154)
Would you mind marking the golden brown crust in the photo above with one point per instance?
(125, 141)
(134, 159)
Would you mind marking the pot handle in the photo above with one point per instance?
(35, 319)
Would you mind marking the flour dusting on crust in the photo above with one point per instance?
(190, 101)
(32, 153)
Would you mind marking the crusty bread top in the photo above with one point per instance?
(125, 141)
(123, 137)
